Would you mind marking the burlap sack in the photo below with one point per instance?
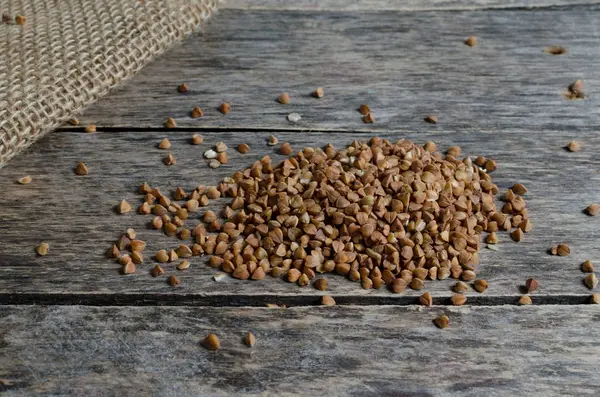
(70, 52)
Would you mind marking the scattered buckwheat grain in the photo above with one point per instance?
(471, 41)
(42, 249)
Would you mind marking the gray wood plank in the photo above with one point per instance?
(404, 65)
(337, 351)
(406, 5)
(75, 215)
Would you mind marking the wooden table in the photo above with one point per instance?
(72, 325)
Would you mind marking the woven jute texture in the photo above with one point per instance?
(70, 52)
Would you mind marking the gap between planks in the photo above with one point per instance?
(258, 300)
(216, 130)
(405, 6)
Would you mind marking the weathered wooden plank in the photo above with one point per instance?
(404, 65)
(410, 5)
(342, 351)
(75, 215)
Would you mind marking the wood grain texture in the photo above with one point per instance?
(405, 5)
(382, 351)
(75, 215)
(404, 65)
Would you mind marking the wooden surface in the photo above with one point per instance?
(405, 65)
(405, 5)
(502, 99)
(340, 351)
(75, 215)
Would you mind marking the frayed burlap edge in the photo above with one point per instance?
(71, 52)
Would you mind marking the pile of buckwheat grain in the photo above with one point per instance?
(381, 213)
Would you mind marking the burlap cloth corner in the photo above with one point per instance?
(71, 52)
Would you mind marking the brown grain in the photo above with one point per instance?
(137, 257)
(81, 169)
(225, 108)
(137, 245)
(243, 148)
(124, 207)
(471, 41)
(258, 274)
(114, 252)
(284, 98)
(303, 281)
(319, 92)
(170, 160)
(480, 285)
(519, 189)
(164, 144)
(42, 249)
(197, 139)
(321, 284)
(90, 128)
(327, 300)
(426, 299)
(442, 321)
(575, 90)
(293, 275)
(162, 256)
(593, 209)
(398, 285)
(144, 208)
(213, 193)
(222, 158)
(25, 180)
(458, 299)
(128, 268)
(157, 271)
(368, 119)
(211, 342)
(417, 284)
(517, 235)
(591, 281)
(454, 151)
(183, 265)
(220, 147)
(468, 275)
(531, 285)
(587, 267)
(286, 149)
(526, 226)
(123, 242)
(250, 339)
(183, 88)
(555, 50)
(573, 146)
(561, 250)
(460, 287)
(364, 109)
(170, 123)
(492, 238)
(525, 300)
(196, 113)
(431, 119)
